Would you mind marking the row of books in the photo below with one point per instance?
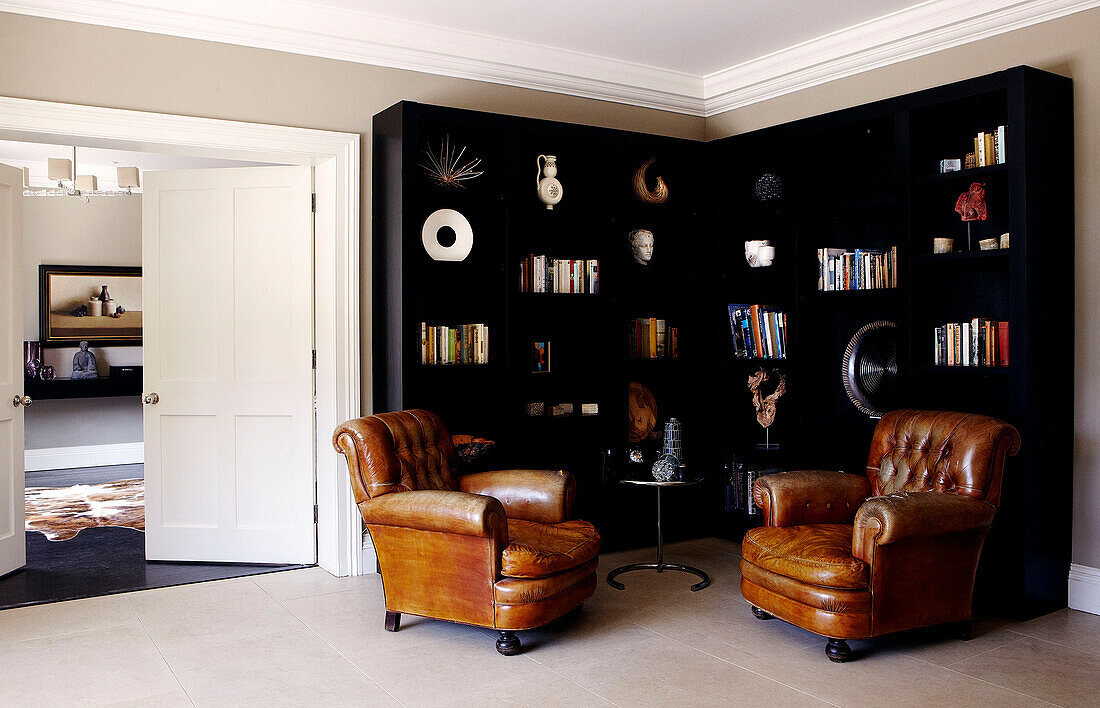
(652, 338)
(460, 344)
(979, 342)
(989, 148)
(542, 274)
(861, 269)
(758, 332)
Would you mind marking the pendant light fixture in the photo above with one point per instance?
(63, 172)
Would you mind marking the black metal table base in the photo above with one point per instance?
(660, 568)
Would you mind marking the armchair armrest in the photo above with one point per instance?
(905, 515)
(441, 511)
(542, 496)
(810, 497)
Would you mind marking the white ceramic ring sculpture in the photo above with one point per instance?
(464, 235)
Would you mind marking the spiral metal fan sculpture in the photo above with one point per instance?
(870, 368)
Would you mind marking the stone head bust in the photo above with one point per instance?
(641, 245)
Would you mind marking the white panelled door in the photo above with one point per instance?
(228, 341)
(13, 539)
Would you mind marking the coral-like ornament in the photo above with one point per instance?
(658, 195)
(971, 203)
(765, 405)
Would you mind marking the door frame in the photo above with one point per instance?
(335, 158)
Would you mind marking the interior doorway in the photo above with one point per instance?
(336, 157)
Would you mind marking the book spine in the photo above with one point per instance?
(965, 331)
(754, 322)
(733, 330)
(662, 340)
(822, 266)
(423, 342)
(1001, 144)
(990, 159)
(1002, 343)
(651, 337)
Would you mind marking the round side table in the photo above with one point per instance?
(660, 566)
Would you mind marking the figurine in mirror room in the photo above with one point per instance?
(84, 363)
(641, 246)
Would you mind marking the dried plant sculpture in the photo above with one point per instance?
(765, 405)
(658, 195)
(446, 168)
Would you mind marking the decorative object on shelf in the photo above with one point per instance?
(32, 358)
(673, 441)
(72, 307)
(869, 368)
(768, 188)
(641, 246)
(446, 168)
(971, 161)
(540, 356)
(119, 312)
(535, 409)
(641, 413)
(988, 244)
(759, 254)
(971, 206)
(950, 166)
(559, 410)
(1004, 240)
(590, 409)
(943, 244)
(469, 448)
(635, 455)
(765, 405)
(84, 364)
(665, 468)
(454, 223)
(549, 188)
(46, 373)
(658, 195)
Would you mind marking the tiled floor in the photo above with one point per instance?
(304, 638)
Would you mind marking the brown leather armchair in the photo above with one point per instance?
(837, 563)
(493, 549)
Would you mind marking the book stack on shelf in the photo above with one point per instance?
(979, 342)
(861, 269)
(461, 344)
(758, 332)
(542, 274)
(652, 338)
(989, 149)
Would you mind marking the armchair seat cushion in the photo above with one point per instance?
(537, 550)
(819, 554)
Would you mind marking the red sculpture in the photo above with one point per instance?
(971, 203)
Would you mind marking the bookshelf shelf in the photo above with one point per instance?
(845, 294)
(1001, 371)
(974, 173)
(998, 255)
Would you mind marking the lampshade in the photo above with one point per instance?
(87, 183)
(26, 177)
(128, 177)
(59, 168)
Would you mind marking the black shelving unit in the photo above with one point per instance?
(81, 388)
(864, 177)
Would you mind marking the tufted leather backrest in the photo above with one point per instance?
(396, 452)
(936, 451)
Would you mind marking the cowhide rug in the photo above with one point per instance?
(62, 512)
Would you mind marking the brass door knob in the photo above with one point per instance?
(151, 399)
(21, 401)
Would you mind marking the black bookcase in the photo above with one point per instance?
(866, 177)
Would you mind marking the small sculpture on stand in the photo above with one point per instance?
(32, 359)
(971, 206)
(641, 246)
(765, 405)
(671, 461)
(84, 363)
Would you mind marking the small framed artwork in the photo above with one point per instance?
(540, 356)
(100, 304)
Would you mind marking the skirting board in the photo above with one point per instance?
(1084, 588)
(67, 458)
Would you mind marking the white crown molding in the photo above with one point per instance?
(915, 31)
(1084, 588)
(300, 27)
(365, 38)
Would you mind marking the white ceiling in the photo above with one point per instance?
(694, 36)
(699, 57)
(100, 162)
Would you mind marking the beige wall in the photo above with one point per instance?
(1071, 47)
(70, 232)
